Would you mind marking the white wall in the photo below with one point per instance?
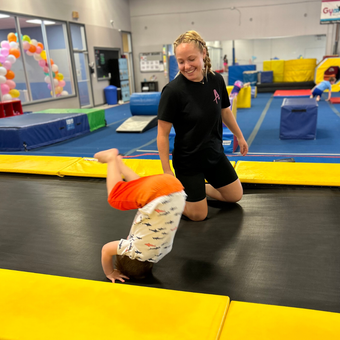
(156, 23)
(162, 21)
(96, 15)
(310, 46)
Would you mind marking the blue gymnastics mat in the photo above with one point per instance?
(31, 131)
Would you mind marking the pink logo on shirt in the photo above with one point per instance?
(216, 96)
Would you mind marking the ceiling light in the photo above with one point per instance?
(4, 16)
(38, 21)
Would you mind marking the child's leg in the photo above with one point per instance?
(114, 174)
(128, 173)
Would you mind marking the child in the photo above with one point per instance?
(238, 85)
(317, 90)
(160, 201)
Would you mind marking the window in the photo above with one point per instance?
(42, 68)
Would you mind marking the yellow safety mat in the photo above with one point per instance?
(43, 165)
(37, 306)
(265, 322)
(323, 174)
(89, 167)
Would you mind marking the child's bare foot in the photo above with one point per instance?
(317, 98)
(106, 155)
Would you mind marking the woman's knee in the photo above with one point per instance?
(196, 211)
(196, 216)
(233, 192)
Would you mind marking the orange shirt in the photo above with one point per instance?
(138, 193)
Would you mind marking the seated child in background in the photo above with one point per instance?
(160, 201)
(318, 89)
(238, 85)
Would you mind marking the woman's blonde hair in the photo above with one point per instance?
(194, 37)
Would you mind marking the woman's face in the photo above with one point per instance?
(190, 61)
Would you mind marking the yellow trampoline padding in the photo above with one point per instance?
(323, 174)
(266, 322)
(43, 165)
(89, 167)
(37, 306)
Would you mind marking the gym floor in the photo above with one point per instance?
(278, 245)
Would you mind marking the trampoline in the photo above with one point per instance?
(277, 246)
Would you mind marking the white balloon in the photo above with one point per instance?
(3, 71)
(13, 44)
(55, 68)
(11, 58)
(6, 97)
(47, 80)
(34, 42)
(56, 82)
(37, 57)
(64, 93)
(3, 79)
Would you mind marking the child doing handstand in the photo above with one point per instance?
(160, 201)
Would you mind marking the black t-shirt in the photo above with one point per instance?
(194, 109)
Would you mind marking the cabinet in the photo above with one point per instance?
(149, 86)
(11, 108)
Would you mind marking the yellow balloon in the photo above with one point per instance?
(43, 55)
(58, 89)
(14, 93)
(60, 76)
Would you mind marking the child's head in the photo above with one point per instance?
(332, 80)
(133, 269)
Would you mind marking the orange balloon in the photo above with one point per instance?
(12, 37)
(10, 74)
(32, 48)
(52, 62)
(14, 52)
(40, 45)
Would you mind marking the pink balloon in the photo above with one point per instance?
(42, 63)
(11, 84)
(38, 50)
(29, 53)
(49, 86)
(26, 45)
(62, 83)
(2, 58)
(46, 69)
(58, 95)
(5, 44)
(5, 52)
(7, 65)
(4, 88)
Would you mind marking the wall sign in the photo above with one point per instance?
(151, 62)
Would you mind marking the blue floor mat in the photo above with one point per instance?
(265, 146)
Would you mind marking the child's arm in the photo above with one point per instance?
(108, 251)
(329, 95)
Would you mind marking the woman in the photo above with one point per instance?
(195, 103)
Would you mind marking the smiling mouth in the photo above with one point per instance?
(190, 72)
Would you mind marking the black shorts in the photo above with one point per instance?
(219, 175)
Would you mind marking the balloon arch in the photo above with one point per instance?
(10, 52)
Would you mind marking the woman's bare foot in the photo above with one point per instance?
(106, 155)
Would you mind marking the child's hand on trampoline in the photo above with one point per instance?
(117, 275)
